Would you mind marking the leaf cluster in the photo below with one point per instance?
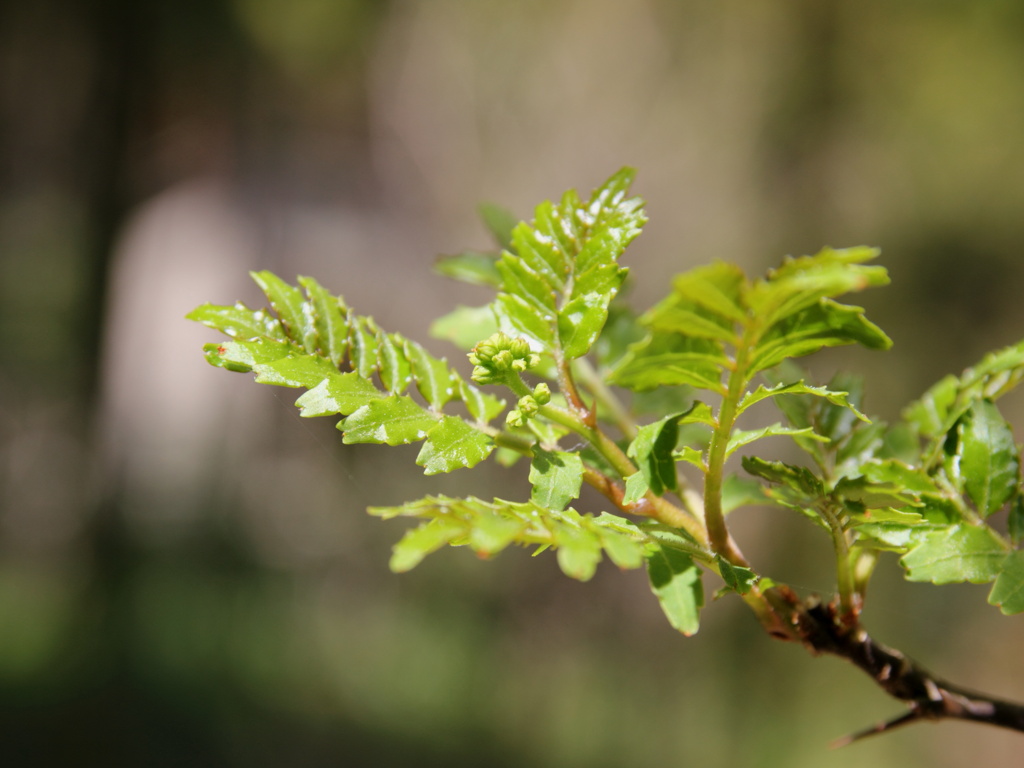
(574, 368)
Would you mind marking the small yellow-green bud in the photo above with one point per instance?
(527, 405)
(542, 393)
(503, 360)
(500, 354)
(482, 375)
(515, 418)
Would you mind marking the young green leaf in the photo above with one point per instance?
(293, 312)
(491, 526)
(954, 554)
(636, 488)
(242, 356)
(1008, 591)
(824, 324)
(989, 461)
(799, 388)
(239, 322)
(338, 393)
(433, 377)
(579, 552)
(363, 349)
(801, 283)
(394, 420)
(737, 578)
(670, 359)
(481, 406)
(652, 450)
(393, 365)
(465, 326)
(556, 477)
(329, 319)
(560, 275)
(300, 371)
(470, 267)
(676, 582)
(453, 444)
(499, 222)
(423, 540)
(1015, 522)
(742, 437)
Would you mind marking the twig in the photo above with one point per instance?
(822, 629)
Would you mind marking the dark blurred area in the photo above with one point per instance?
(187, 576)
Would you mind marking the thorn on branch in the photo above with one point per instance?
(887, 725)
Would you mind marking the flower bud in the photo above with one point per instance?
(501, 354)
(542, 393)
(515, 418)
(528, 405)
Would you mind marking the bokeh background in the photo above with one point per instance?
(187, 576)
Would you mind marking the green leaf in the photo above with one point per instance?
(239, 322)
(798, 388)
(742, 492)
(676, 582)
(465, 326)
(499, 222)
(559, 277)
(481, 406)
(736, 577)
(363, 345)
(491, 526)
(470, 267)
(394, 420)
(579, 552)
(453, 444)
(287, 302)
(699, 413)
(742, 437)
(636, 488)
(691, 456)
(421, 541)
(1008, 591)
(329, 320)
(954, 554)
(618, 537)
(242, 356)
(432, 375)
(802, 282)
(517, 317)
(719, 290)
(875, 495)
(825, 324)
(302, 371)
(556, 476)
(392, 365)
(652, 450)
(996, 374)
(492, 532)
(931, 413)
(989, 462)
(1015, 522)
(580, 321)
(341, 393)
(795, 488)
(668, 359)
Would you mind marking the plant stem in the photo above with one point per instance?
(517, 443)
(567, 384)
(849, 599)
(650, 505)
(718, 532)
(605, 397)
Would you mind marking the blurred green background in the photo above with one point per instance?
(187, 577)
